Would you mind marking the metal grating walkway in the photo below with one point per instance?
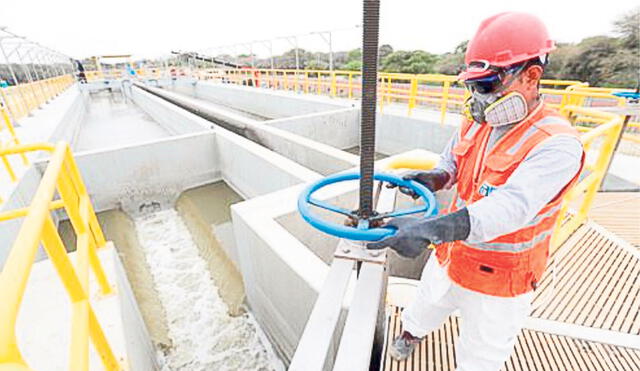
(597, 283)
(534, 350)
(618, 212)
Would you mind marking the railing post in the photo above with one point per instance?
(15, 78)
(39, 76)
(5, 102)
(381, 93)
(412, 94)
(273, 79)
(333, 84)
(445, 99)
(350, 85)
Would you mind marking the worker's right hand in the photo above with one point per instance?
(435, 180)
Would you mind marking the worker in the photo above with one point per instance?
(82, 77)
(512, 161)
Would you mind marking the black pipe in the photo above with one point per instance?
(181, 102)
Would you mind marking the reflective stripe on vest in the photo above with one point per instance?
(512, 264)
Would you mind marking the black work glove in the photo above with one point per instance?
(414, 234)
(435, 180)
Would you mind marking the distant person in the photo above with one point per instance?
(131, 71)
(81, 75)
(513, 159)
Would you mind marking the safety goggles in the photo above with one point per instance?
(493, 82)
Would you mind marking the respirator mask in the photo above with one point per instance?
(489, 104)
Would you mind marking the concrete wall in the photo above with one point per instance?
(316, 156)
(205, 212)
(173, 119)
(141, 354)
(396, 134)
(339, 129)
(20, 197)
(68, 128)
(278, 271)
(252, 170)
(157, 171)
(265, 102)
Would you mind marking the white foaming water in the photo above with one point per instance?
(203, 335)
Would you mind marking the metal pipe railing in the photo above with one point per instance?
(587, 188)
(31, 74)
(60, 177)
(440, 92)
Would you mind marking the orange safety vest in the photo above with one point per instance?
(511, 264)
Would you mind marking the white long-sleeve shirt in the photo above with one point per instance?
(546, 170)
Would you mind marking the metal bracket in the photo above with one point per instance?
(357, 250)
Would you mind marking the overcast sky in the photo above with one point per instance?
(82, 28)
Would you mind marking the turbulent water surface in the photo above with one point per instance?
(203, 336)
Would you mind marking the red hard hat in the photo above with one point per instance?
(503, 40)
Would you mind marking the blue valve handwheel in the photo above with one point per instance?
(358, 233)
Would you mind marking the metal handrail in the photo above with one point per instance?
(13, 140)
(22, 99)
(439, 91)
(61, 176)
(594, 172)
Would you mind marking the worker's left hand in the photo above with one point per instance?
(415, 234)
(408, 241)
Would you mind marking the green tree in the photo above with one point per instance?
(417, 61)
(628, 26)
(354, 55)
(384, 50)
(592, 61)
(452, 63)
(449, 64)
(461, 48)
(353, 65)
(558, 59)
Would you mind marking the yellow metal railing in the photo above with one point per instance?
(114, 74)
(593, 173)
(61, 177)
(582, 194)
(6, 124)
(22, 99)
(439, 92)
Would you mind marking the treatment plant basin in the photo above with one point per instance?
(196, 185)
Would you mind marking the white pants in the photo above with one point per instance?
(489, 327)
